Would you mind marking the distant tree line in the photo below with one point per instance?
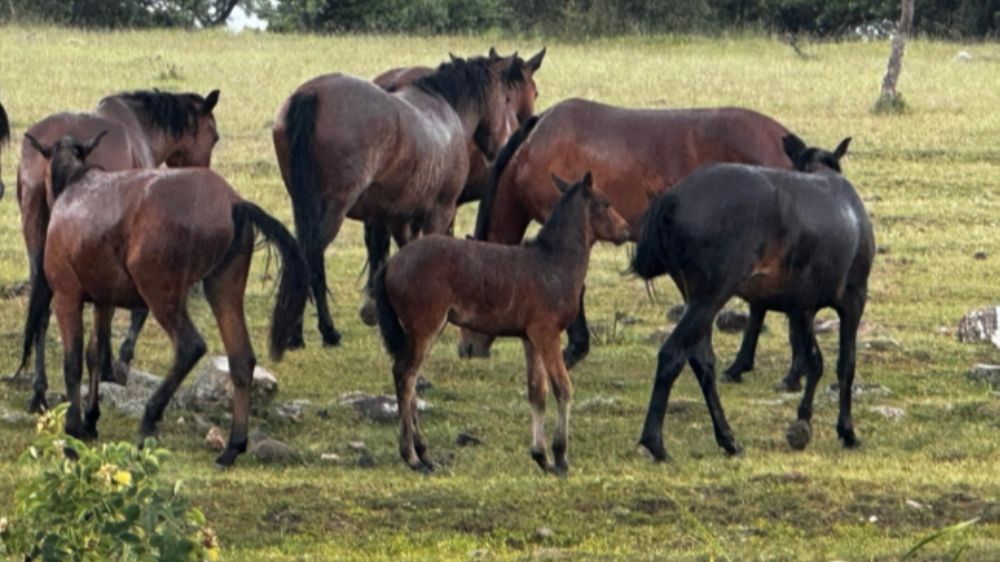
(568, 18)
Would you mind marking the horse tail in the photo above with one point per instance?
(388, 321)
(4, 126)
(303, 185)
(38, 313)
(653, 253)
(293, 287)
(502, 159)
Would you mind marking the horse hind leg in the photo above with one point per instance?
(412, 445)
(333, 219)
(702, 361)
(40, 385)
(98, 364)
(744, 361)
(578, 335)
(126, 352)
(224, 290)
(805, 347)
(69, 312)
(850, 313)
(377, 244)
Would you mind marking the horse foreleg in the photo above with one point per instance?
(537, 391)
(69, 312)
(562, 387)
(377, 244)
(578, 345)
(127, 350)
(702, 361)
(748, 349)
(802, 334)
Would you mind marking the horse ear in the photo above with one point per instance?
(562, 184)
(493, 54)
(210, 101)
(513, 73)
(90, 146)
(45, 151)
(454, 58)
(842, 148)
(588, 181)
(535, 62)
(793, 145)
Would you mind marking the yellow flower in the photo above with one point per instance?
(212, 554)
(123, 478)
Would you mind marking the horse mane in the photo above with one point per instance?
(503, 158)
(176, 114)
(563, 217)
(462, 82)
(4, 126)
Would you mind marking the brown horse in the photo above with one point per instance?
(634, 154)
(4, 139)
(142, 129)
(144, 238)
(530, 291)
(396, 161)
(522, 91)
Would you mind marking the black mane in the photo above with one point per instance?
(563, 223)
(176, 114)
(461, 83)
(4, 126)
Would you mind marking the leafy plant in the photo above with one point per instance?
(101, 503)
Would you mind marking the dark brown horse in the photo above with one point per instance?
(396, 161)
(522, 91)
(142, 129)
(530, 291)
(788, 241)
(143, 238)
(635, 155)
(4, 139)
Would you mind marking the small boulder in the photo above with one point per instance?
(213, 387)
(980, 325)
(826, 326)
(16, 417)
(732, 321)
(989, 374)
(214, 439)
(292, 411)
(131, 398)
(272, 451)
(380, 408)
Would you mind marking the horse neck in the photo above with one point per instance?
(565, 236)
(155, 144)
(65, 176)
(433, 103)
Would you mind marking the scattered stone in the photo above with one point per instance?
(980, 325)
(963, 56)
(544, 533)
(881, 344)
(329, 457)
(271, 451)
(214, 439)
(915, 504)
(357, 446)
(732, 321)
(292, 411)
(826, 326)
(16, 418)
(989, 374)
(213, 387)
(659, 336)
(596, 403)
(980, 255)
(423, 385)
(381, 408)
(467, 439)
(890, 413)
(873, 518)
(131, 398)
(859, 389)
(675, 313)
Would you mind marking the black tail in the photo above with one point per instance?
(307, 204)
(38, 313)
(4, 126)
(388, 320)
(653, 254)
(293, 288)
(502, 159)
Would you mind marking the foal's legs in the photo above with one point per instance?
(562, 387)
(69, 312)
(538, 390)
(225, 289)
(693, 326)
(850, 312)
(702, 361)
(101, 366)
(377, 244)
(578, 333)
(412, 445)
(748, 349)
(800, 327)
(127, 350)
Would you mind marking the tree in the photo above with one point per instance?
(890, 99)
(116, 14)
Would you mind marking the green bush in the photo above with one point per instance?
(107, 504)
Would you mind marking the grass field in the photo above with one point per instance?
(930, 180)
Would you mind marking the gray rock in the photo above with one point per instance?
(732, 321)
(675, 313)
(271, 451)
(131, 398)
(212, 387)
(214, 439)
(292, 411)
(544, 533)
(989, 374)
(15, 417)
(881, 344)
(466, 439)
(888, 412)
(826, 326)
(859, 389)
(380, 408)
(980, 325)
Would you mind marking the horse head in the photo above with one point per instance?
(67, 159)
(194, 147)
(811, 159)
(605, 222)
(519, 79)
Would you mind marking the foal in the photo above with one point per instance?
(530, 291)
(143, 238)
(787, 241)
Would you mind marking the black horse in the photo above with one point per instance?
(788, 241)
(4, 138)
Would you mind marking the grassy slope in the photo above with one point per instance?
(929, 179)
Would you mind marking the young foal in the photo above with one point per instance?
(143, 238)
(530, 291)
(788, 241)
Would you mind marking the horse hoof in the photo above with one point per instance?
(331, 338)
(731, 377)
(733, 450)
(560, 469)
(227, 459)
(799, 434)
(541, 460)
(119, 372)
(788, 386)
(848, 438)
(655, 448)
(38, 405)
(368, 313)
(296, 342)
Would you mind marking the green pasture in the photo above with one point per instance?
(930, 178)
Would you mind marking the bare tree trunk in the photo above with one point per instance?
(896, 55)
(223, 9)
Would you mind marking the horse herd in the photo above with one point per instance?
(727, 202)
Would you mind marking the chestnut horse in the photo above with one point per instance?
(522, 91)
(635, 155)
(143, 129)
(395, 161)
(789, 241)
(143, 238)
(4, 139)
(530, 291)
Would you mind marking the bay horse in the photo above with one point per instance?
(395, 161)
(143, 129)
(792, 241)
(635, 155)
(522, 92)
(4, 139)
(530, 291)
(143, 238)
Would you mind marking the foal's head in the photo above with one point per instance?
(605, 222)
(67, 159)
(811, 159)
